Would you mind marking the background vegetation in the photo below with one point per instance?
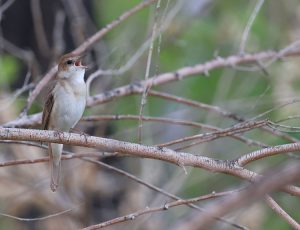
(188, 33)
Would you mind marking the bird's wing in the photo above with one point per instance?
(48, 107)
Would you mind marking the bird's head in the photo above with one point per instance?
(70, 65)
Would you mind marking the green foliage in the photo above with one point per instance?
(9, 70)
(191, 39)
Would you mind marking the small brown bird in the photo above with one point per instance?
(64, 107)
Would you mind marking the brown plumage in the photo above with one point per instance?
(47, 110)
(63, 107)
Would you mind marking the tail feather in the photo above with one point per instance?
(55, 151)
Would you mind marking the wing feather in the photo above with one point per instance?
(48, 107)
(47, 111)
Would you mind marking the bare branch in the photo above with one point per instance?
(40, 35)
(7, 102)
(159, 153)
(83, 47)
(289, 174)
(58, 41)
(197, 104)
(275, 207)
(205, 137)
(5, 6)
(155, 188)
(183, 73)
(25, 55)
(37, 218)
(147, 72)
(147, 210)
(149, 119)
(138, 87)
(267, 152)
(225, 113)
(258, 6)
(84, 156)
(172, 121)
(166, 21)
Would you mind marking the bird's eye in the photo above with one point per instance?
(69, 62)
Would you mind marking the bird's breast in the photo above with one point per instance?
(69, 105)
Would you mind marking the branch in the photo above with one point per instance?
(111, 145)
(184, 72)
(37, 218)
(245, 140)
(148, 210)
(181, 159)
(5, 6)
(159, 190)
(84, 156)
(225, 113)
(149, 119)
(83, 47)
(147, 73)
(267, 152)
(39, 29)
(275, 207)
(97, 36)
(137, 88)
(269, 183)
(244, 39)
(205, 137)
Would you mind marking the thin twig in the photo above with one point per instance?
(166, 21)
(283, 214)
(137, 87)
(245, 36)
(225, 113)
(205, 137)
(5, 6)
(289, 147)
(288, 174)
(157, 189)
(83, 47)
(267, 152)
(172, 121)
(184, 73)
(58, 41)
(149, 119)
(84, 156)
(284, 128)
(147, 73)
(7, 102)
(25, 55)
(40, 34)
(147, 210)
(37, 218)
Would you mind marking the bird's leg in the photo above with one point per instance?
(81, 133)
(58, 133)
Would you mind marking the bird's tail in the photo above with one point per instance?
(55, 151)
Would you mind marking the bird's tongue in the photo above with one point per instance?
(78, 63)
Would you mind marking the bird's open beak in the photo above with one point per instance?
(78, 62)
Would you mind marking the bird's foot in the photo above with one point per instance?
(59, 133)
(81, 133)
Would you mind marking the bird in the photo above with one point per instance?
(64, 106)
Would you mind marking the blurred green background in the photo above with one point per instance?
(195, 31)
